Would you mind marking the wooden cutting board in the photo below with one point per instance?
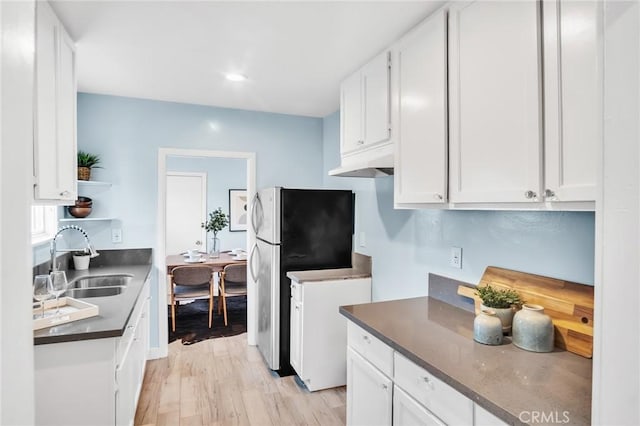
(570, 305)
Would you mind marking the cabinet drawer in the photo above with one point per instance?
(441, 399)
(371, 348)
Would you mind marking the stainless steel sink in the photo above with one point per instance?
(80, 293)
(93, 281)
(98, 285)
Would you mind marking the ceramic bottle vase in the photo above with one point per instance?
(505, 315)
(487, 328)
(533, 329)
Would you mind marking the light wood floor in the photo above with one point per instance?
(225, 382)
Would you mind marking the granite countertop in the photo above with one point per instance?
(327, 275)
(504, 379)
(114, 311)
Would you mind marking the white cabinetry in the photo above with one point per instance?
(482, 417)
(55, 151)
(369, 393)
(365, 106)
(408, 412)
(573, 61)
(495, 99)
(421, 138)
(318, 331)
(96, 381)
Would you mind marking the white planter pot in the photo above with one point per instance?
(81, 263)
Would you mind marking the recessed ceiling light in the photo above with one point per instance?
(236, 77)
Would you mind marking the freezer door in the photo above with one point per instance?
(267, 258)
(265, 215)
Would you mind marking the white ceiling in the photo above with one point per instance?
(294, 53)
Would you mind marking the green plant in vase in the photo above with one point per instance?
(503, 301)
(218, 220)
(86, 162)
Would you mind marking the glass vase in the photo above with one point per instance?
(214, 246)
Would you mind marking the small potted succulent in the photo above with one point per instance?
(504, 302)
(86, 162)
(81, 260)
(218, 220)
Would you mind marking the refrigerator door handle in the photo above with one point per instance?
(254, 249)
(254, 212)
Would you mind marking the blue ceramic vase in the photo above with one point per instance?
(532, 329)
(487, 328)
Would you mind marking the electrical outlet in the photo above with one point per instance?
(116, 235)
(456, 257)
(363, 239)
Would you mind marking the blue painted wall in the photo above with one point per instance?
(223, 174)
(406, 245)
(127, 133)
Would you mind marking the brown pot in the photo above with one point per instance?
(84, 173)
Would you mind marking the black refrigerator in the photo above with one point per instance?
(296, 230)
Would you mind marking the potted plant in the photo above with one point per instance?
(503, 301)
(81, 260)
(86, 162)
(218, 220)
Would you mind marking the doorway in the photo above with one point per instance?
(160, 253)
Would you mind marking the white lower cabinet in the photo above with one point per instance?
(319, 332)
(386, 388)
(408, 412)
(369, 393)
(482, 417)
(93, 382)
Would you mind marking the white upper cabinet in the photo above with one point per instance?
(573, 98)
(55, 150)
(421, 139)
(365, 106)
(495, 102)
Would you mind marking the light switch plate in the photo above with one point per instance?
(116, 235)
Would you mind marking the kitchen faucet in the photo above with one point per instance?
(92, 251)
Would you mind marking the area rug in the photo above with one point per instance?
(192, 320)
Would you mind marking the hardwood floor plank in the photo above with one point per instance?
(225, 382)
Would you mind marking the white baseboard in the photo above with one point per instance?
(157, 353)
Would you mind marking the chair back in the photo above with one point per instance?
(235, 273)
(191, 275)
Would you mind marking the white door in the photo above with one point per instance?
(408, 412)
(421, 139)
(186, 211)
(573, 98)
(369, 393)
(351, 113)
(376, 100)
(495, 81)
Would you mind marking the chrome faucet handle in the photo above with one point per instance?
(93, 252)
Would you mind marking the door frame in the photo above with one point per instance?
(160, 255)
(204, 177)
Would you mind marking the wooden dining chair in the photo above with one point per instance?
(188, 283)
(233, 282)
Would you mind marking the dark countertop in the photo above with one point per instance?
(504, 379)
(114, 311)
(327, 275)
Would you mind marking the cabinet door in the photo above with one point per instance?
(351, 113)
(376, 100)
(573, 98)
(482, 417)
(55, 111)
(295, 356)
(369, 393)
(495, 102)
(407, 411)
(421, 142)
(125, 385)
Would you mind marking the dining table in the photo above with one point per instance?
(216, 264)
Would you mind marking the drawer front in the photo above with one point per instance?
(407, 411)
(371, 348)
(446, 403)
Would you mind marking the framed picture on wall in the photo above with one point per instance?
(238, 210)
